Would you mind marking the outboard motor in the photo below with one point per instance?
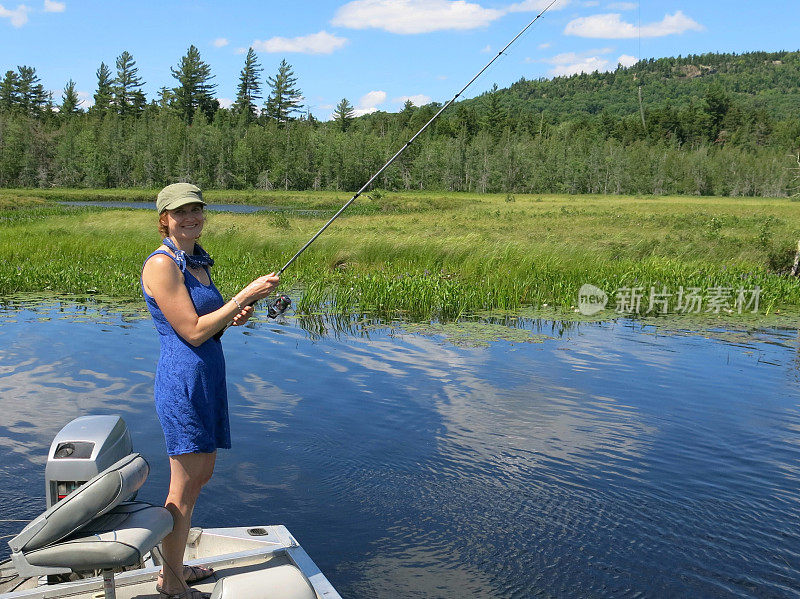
(91, 522)
(81, 450)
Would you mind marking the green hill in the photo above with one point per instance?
(767, 81)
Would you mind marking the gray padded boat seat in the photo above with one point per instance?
(279, 582)
(119, 538)
(93, 527)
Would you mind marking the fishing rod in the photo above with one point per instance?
(281, 303)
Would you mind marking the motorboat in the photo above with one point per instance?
(96, 541)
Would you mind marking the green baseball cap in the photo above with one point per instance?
(177, 195)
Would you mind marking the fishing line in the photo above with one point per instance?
(281, 303)
(415, 136)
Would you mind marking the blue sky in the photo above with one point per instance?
(377, 53)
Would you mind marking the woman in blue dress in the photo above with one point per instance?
(190, 389)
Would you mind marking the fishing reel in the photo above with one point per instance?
(275, 308)
(278, 306)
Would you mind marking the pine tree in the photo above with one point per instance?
(405, 114)
(32, 97)
(128, 96)
(105, 90)
(343, 114)
(494, 120)
(195, 89)
(249, 89)
(69, 99)
(284, 97)
(9, 91)
(717, 104)
(166, 97)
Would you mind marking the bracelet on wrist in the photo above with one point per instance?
(238, 305)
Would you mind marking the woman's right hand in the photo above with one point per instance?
(259, 288)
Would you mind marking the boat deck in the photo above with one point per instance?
(230, 551)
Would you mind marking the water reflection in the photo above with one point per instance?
(609, 460)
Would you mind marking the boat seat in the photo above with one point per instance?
(121, 537)
(279, 582)
(94, 527)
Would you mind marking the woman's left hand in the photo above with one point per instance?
(243, 316)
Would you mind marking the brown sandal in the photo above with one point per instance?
(189, 593)
(191, 574)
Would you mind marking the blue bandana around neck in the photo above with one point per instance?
(199, 259)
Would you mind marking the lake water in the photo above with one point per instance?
(603, 461)
(237, 208)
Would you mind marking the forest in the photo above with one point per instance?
(711, 124)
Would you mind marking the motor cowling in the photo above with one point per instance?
(81, 450)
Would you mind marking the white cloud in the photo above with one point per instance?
(18, 16)
(241, 50)
(590, 64)
(611, 26)
(315, 43)
(572, 63)
(487, 49)
(86, 99)
(623, 6)
(544, 46)
(535, 5)
(225, 102)
(53, 6)
(414, 16)
(221, 42)
(416, 100)
(369, 102)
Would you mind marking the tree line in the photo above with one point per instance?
(715, 140)
(22, 92)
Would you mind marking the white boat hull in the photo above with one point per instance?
(229, 551)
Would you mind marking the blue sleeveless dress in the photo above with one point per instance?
(191, 396)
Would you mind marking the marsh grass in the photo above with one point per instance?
(420, 255)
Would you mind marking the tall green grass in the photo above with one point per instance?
(422, 255)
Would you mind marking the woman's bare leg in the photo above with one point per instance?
(188, 473)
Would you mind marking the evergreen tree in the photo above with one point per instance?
(494, 120)
(70, 103)
(195, 89)
(32, 97)
(105, 90)
(717, 105)
(9, 91)
(407, 112)
(284, 97)
(343, 114)
(249, 89)
(128, 96)
(166, 97)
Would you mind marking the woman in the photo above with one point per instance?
(190, 390)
